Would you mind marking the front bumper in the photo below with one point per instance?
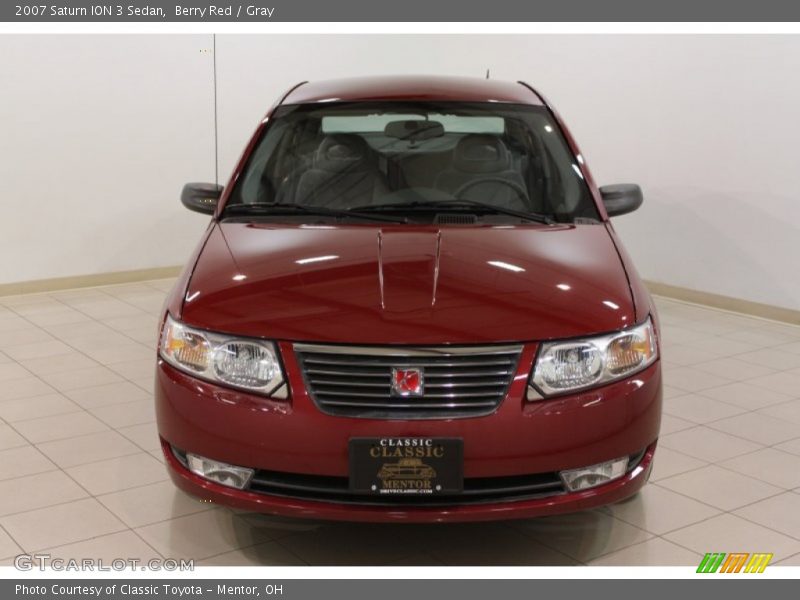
(520, 438)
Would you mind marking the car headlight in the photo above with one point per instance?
(239, 362)
(566, 366)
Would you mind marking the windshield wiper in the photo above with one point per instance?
(270, 208)
(456, 203)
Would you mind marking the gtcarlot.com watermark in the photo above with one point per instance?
(42, 562)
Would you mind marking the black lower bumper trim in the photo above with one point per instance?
(477, 490)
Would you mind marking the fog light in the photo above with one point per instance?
(589, 477)
(220, 472)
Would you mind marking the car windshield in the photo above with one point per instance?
(418, 159)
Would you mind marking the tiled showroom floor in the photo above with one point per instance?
(81, 472)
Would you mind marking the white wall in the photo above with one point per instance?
(706, 124)
(97, 136)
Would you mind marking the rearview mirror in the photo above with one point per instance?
(414, 130)
(201, 197)
(621, 198)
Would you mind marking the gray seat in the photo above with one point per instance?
(481, 166)
(344, 173)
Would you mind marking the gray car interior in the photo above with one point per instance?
(345, 170)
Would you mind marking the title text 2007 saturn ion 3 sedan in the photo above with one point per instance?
(410, 305)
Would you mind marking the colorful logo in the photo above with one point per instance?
(407, 382)
(735, 562)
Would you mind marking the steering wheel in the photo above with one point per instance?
(521, 191)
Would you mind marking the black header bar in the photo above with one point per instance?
(167, 11)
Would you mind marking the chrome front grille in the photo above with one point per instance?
(357, 381)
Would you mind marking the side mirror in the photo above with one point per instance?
(622, 198)
(201, 197)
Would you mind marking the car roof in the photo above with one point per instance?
(413, 88)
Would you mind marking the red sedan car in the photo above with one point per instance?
(410, 305)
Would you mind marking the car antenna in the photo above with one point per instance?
(487, 73)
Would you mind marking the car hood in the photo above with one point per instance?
(363, 284)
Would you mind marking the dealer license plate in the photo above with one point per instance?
(406, 465)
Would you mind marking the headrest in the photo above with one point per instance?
(342, 152)
(481, 153)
